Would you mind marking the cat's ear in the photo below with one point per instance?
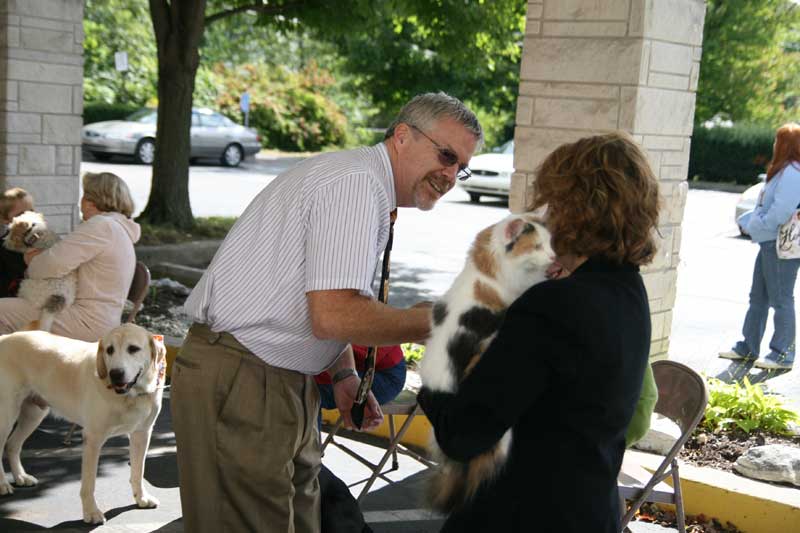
(513, 229)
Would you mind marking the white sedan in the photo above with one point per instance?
(491, 173)
(214, 136)
(748, 200)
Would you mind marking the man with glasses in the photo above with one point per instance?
(289, 288)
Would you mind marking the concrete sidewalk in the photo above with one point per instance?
(54, 504)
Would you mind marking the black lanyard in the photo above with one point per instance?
(360, 403)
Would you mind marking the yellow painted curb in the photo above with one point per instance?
(750, 505)
(418, 433)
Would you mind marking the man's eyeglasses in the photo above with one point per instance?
(447, 157)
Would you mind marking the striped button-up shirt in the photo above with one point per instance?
(321, 225)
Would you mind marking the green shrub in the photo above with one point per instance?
(413, 353)
(290, 110)
(746, 407)
(734, 155)
(100, 111)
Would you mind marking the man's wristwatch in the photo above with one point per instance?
(343, 374)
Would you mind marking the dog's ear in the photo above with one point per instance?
(102, 371)
(157, 350)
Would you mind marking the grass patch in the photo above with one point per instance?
(205, 228)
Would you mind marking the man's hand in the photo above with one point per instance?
(344, 394)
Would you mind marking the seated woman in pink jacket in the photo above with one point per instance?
(101, 250)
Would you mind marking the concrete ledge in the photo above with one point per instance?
(192, 253)
(752, 506)
(418, 433)
(186, 275)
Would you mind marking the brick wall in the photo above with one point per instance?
(41, 90)
(590, 66)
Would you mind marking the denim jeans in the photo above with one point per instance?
(773, 286)
(388, 383)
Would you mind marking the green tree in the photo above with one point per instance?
(750, 68)
(114, 26)
(470, 49)
(452, 30)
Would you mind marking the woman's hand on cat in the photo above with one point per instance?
(30, 254)
(344, 394)
(556, 271)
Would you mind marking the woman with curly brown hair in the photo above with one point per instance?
(566, 368)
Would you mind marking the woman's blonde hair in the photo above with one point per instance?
(108, 192)
(602, 199)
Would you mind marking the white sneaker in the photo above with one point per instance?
(730, 354)
(775, 361)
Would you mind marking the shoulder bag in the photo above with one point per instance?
(788, 241)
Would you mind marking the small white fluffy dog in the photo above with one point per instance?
(110, 388)
(51, 295)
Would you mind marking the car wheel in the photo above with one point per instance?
(145, 152)
(232, 155)
(100, 156)
(474, 197)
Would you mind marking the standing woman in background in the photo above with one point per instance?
(773, 278)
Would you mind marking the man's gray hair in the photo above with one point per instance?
(425, 109)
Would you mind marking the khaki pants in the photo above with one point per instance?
(248, 448)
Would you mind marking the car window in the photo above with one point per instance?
(227, 122)
(212, 121)
(195, 119)
(145, 116)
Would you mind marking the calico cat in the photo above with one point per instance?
(505, 260)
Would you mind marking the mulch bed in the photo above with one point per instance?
(694, 524)
(720, 451)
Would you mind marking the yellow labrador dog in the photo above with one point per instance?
(110, 388)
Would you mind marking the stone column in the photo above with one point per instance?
(41, 90)
(590, 66)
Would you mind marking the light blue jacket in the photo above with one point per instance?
(779, 198)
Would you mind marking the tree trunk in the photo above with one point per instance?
(178, 28)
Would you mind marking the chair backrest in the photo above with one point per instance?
(682, 397)
(682, 394)
(138, 290)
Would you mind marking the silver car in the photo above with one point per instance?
(748, 200)
(491, 173)
(213, 136)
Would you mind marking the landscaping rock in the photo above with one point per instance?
(176, 287)
(773, 462)
(661, 436)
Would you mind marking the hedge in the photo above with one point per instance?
(734, 155)
(100, 111)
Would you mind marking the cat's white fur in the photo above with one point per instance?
(514, 276)
(514, 273)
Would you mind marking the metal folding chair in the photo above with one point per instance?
(404, 404)
(682, 397)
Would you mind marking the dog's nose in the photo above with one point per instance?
(117, 375)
